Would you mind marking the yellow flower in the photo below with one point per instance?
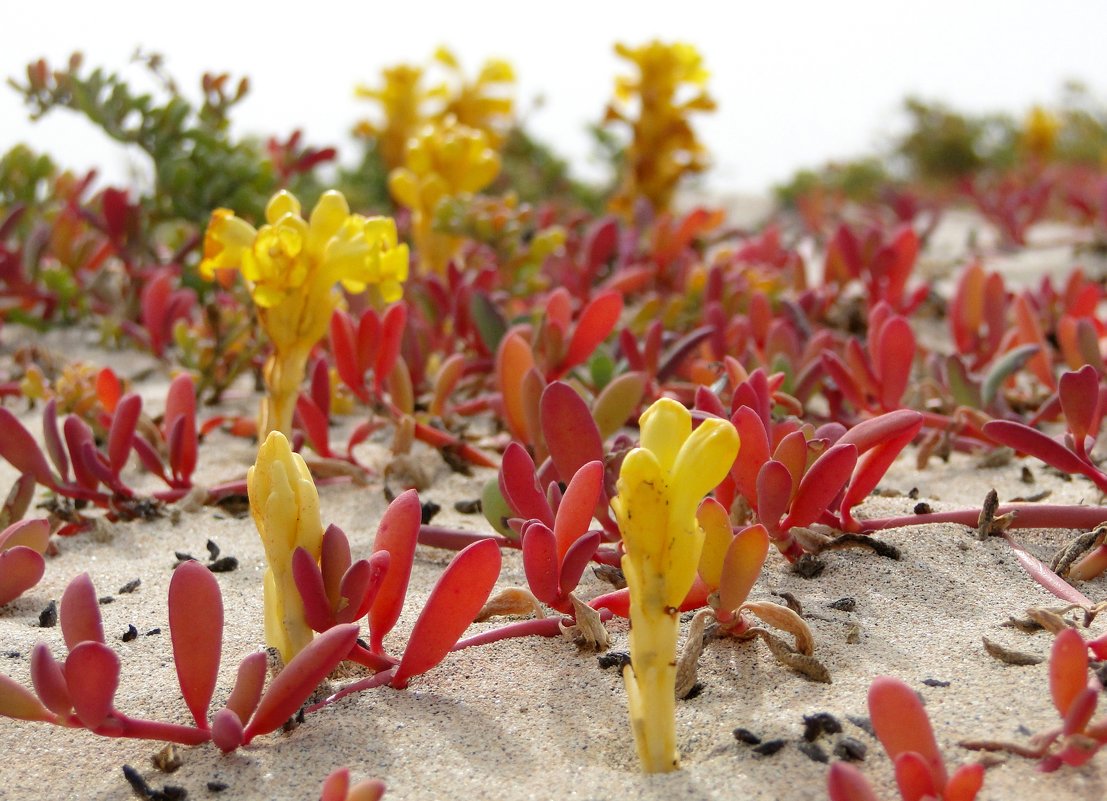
(485, 103)
(445, 160)
(402, 99)
(660, 486)
(292, 266)
(285, 507)
(1039, 133)
(663, 147)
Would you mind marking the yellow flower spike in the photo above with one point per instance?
(1039, 133)
(660, 485)
(285, 507)
(445, 160)
(663, 146)
(293, 266)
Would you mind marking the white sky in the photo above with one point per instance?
(797, 83)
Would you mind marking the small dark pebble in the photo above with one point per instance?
(686, 617)
(224, 565)
(612, 659)
(217, 787)
(182, 557)
(171, 792)
(472, 507)
(818, 724)
(814, 752)
(695, 692)
(152, 632)
(922, 508)
(130, 586)
(235, 505)
(1024, 731)
(769, 747)
(843, 604)
(808, 566)
(213, 550)
(862, 723)
(913, 493)
(130, 634)
(850, 749)
(138, 784)
(48, 617)
(104, 600)
(935, 683)
(455, 461)
(12, 654)
(746, 736)
(1026, 476)
(429, 510)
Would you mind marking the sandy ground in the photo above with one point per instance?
(535, 718)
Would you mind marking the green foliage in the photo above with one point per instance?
(25, 177)
(197, 166)
(366, 184)
(860, 181)
(536, 174)
(943, 145)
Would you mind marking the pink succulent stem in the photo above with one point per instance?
(543, 627)
(119, 725)
(456, 539)
(1029, 515)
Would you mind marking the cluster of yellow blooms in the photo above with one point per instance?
(292, 266)
(660, 486)
(1039, 132)
(445, 159)
(663, 148)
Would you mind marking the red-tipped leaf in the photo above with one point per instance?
(196, 629)
(574, 514)
(901, 725)
(292, 686)
(397, 533)
(1034, 443)
(19, 448)
(318, 611)
(540, 562)
(248, 684)
(821, 484)
(742, 565)
(1068, 670)
(49, 681)
(774, 489)
(451, 607)
(80, 613)
(915, 779)
(92, 676)
(570, 432)
(597, 321)
(519, 486)
(576, 559)
(122, 431)
(20, 569)
(844, 782)
(16, 701)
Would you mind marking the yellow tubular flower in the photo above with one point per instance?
(285, 507)
(1039, 133)
(445, 160)
(660, 485)
(292, 266)
(663, 147)
(485, 103)
(402, 99)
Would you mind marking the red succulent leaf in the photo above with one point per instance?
(77, 436)
(391, 337)
(574, 513)
(183, 446)
(841, 376)
(754, 452)
(321, 387)
(901, 725)
(16, 701)
(318, 611)
(1031, 333)
(450, 608)
(1079, 394)
(79, 612)
(444, 383)
(397, 533)
(600, 242)
(122, 431)
(20, 569)
(513, 359)
(53, 439)
(965, 783)
(540, 562)
(774, 490)
(378, 569)
(575, 560)
(680, 350)
(873, 464)
(821, 484)
(49, 680)
(336, 785)
(315, 425)
(844, 782)
(1068, 670)
(519, 486)
(893, 364)
(19, 448)
(344, 347)
(109, 389)
(742, 565)
(334, 562)
(367, 341)
(154, 301)
(299, 678)
(1030, 441)
(530, 393)
(915, 779)
(569, 430)
(596, 322)
(92, 676)
(791, 452)
(248, 684)
(877, 430)
(149, 456)
(356, 584)
(33, 534)
(227, 731)
(196, 629)
(93, 462)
